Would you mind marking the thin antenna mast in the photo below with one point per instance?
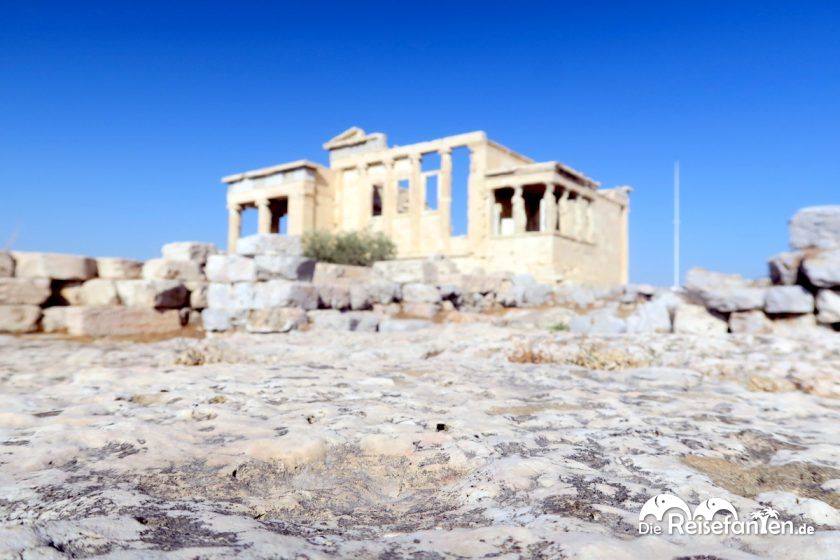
(676, 224)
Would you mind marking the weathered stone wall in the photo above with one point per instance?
(269, 286)
(107, 296)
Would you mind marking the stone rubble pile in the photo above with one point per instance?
(803, 288)
(269, 286)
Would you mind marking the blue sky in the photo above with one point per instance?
(117, 119)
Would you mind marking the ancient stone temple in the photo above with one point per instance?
(489, 208)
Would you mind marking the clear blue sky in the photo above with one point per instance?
(117, 119)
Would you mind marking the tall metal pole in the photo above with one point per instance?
(676, 224)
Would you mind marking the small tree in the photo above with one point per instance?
(355, 248)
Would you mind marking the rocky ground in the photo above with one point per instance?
(500, 440)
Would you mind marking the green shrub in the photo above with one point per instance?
(360, 248)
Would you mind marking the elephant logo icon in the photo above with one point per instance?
(708, 508)
(659, 505)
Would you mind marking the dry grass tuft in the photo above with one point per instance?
(594, 357)
(527, 354)
(589, 357)
(206, 354)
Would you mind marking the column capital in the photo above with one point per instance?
(414, 158)
(232, 207)
(447, 151)
(262, 202)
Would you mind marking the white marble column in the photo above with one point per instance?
(445, 196)
(263, 216)
(365, 196)
(234, 226)
(549, 210)
(417, 203)
(563, 212)
(519, 218)
(389, 197)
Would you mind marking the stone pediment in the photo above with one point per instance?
(351, 136)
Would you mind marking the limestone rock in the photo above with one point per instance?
(451, 294)
(788, 299)
(405, 271)
(198, 294)
(270, 244)
(699, 279)
(330, 319)
(602, 321)
(815, 226)
(333, 296)
(798, 325)
(364, 321)
(364, 296)
(420, 310)
(634, 293)
(230, 268)
(578, 296)
(828, 306)
(269, 267)
(276, 320)
(650, 317)
(119, 269)
(472, 283)
(329, 273)
(54, 265)
(99, 291)
(7, 264)
(70, 293)
(219, 295)
(420, 293)
(524, 294)
(694, 319)
(723, 292)
(53, 319)
(750, 322)
(152, 293)
(19, 318)
(165, 269)
(24, 291)
(727, 300)
(120, 321)
(274, 293)
(823, 268)
(670, 299)
(784, 267)
(194, 251)
(221, 319)
(513, 296)
(386, 309)
(403, 325)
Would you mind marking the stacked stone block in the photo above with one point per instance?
(265, 287)
(106, 296)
